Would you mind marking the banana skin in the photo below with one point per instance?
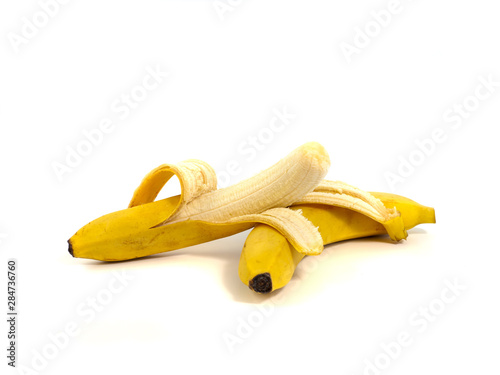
(132, 233)
(268, 260)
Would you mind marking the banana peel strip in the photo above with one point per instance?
(340, 194)
(195, 176)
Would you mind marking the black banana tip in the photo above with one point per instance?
(70, 248)
(261, 283)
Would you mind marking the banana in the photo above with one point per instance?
(341, 212)
(204, 213)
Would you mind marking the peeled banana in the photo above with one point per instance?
(203, 213)
(341, 212)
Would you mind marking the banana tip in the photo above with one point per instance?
(262, 283)
(318, 153)
(432, 219)
(70, 248)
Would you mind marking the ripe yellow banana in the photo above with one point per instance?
(340, 212)
(202, 213)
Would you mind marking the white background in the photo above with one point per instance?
(230, 68)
